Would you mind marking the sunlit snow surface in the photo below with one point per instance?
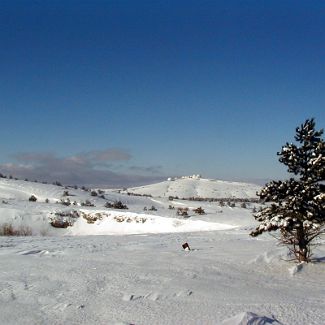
(134, 223)
(142, 275)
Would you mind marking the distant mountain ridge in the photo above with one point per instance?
(195, 186)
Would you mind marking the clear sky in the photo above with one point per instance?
(118, 92)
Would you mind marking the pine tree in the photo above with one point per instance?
(297, 205)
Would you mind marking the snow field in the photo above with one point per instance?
(150, 279)
(141, 275)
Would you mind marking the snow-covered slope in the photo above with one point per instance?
(204, 188)
(18, 211)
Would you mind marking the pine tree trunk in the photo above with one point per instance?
(302, 251)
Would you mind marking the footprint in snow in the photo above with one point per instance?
(39, 252)
(155, 296)
(53, 305)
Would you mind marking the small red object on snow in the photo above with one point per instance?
(186, 247)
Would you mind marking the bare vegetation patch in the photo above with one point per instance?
(8, 229)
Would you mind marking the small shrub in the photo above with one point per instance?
(182, 212)
(199, 210)
(93, 193)
(87, 203)
(57, 223)
(7, 230)
(66, 202)
(32, 198)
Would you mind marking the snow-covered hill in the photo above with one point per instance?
(17, 211)
(187, 187)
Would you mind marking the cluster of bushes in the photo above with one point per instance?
(232, 204)
(129, 219)
(71, 214)
(10, 177)
(57, 183)
(99, 193)
(153, 208)
(116, 205)
(221, 201)
(137, 194)
(64, 219)
(67, 202)
(92, 218)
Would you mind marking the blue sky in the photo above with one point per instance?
(157, 88)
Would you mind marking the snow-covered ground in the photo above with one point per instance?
(141, 275)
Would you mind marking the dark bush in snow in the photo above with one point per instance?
(182, 212)
(87, 203)
(116, 205)
(199, 210)
(32, 198)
